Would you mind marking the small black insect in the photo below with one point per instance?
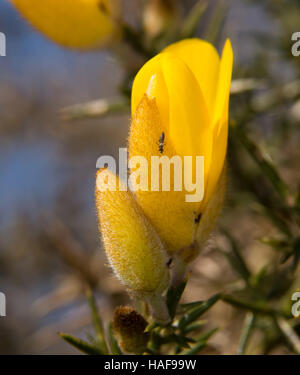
(198, 218)
(169, 262)
(161, 143)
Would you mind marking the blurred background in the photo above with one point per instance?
(50, 247)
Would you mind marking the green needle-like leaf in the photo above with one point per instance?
(191, 305)
(97, 323)
(201, 342)
(197, 312)
(194, 327)
(195, 349)
(246, 332)
(81, 345)
(205, 336)
(114, 347)
(173, 297)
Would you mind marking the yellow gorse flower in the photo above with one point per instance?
(183, 92)
(79, 24)
(133, 248)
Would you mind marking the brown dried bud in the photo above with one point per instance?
(129, 327)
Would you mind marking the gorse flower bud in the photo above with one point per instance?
(133, 248)
(183, 93)
(129, 327)
(160, 206)
(79, 24)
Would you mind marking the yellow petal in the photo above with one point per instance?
(220, 128)
(73, 23)
(223, 89)
(188, 117)
(133, 248)
(180, 103)
(203, 60)
(172, 217)
(219, 154)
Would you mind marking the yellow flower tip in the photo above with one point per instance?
(82, 24)
(152, 87)
(228, 47)
(223, 88)
(133, 248)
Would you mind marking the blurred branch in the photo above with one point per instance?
(276, 96)
(295, 110)
(192, 20)
(266, 165)
(95, 108)
(68, 289)
(274, 207)
(70, 250)
(216, 22)
(289, 334)
(239, 86)
(235, 259)
(135, 40)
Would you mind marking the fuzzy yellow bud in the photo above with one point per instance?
(167, 210)
(184, 93)
(82, 24)
(129, 327)
(133, 248)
